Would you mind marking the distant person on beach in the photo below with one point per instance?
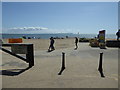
(118, 34)
(51, 47)
(76, 42)
(1, 42)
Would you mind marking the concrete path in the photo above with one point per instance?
(81, 69)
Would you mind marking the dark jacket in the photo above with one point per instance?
(76, 40)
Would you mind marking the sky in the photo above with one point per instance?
(59, 17)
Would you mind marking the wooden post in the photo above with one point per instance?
(30, 55)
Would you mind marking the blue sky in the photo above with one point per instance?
(59, 17)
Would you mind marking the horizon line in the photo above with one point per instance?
(55, 33)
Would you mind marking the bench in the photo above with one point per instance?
(21, 48)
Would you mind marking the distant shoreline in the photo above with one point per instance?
(57, 35)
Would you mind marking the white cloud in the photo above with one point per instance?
(28, 28)
(34, 30)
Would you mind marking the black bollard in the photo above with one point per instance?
(63, 63)
(63, 60)
(100, 69)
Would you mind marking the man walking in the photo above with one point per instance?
(76, 42)
(51, 47)
(118, 35)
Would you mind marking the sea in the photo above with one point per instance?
(59, 35)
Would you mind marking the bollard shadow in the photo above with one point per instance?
(100, 69)
(101, 73)
(61, 71)
(13, 72)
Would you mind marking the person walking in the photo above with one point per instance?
(118, 35)
(76, 43)
(51, 47)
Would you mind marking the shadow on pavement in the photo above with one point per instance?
(13, 72)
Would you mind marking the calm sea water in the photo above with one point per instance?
(46, 36)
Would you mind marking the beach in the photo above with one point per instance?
(81, 66)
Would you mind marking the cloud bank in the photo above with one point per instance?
(33, 30)
(37, 30)
(28, 28)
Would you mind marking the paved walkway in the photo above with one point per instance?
(81, 69)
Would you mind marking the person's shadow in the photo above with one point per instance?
(75, 48)
(13, 72)
(50, 50)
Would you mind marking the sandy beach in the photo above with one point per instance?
(81, 66)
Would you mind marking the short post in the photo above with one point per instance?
(63, 60)
(30, 55)
(63, 64)
(100, 69)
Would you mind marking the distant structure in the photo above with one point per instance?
(102, 39)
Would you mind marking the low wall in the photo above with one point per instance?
(113, 43)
